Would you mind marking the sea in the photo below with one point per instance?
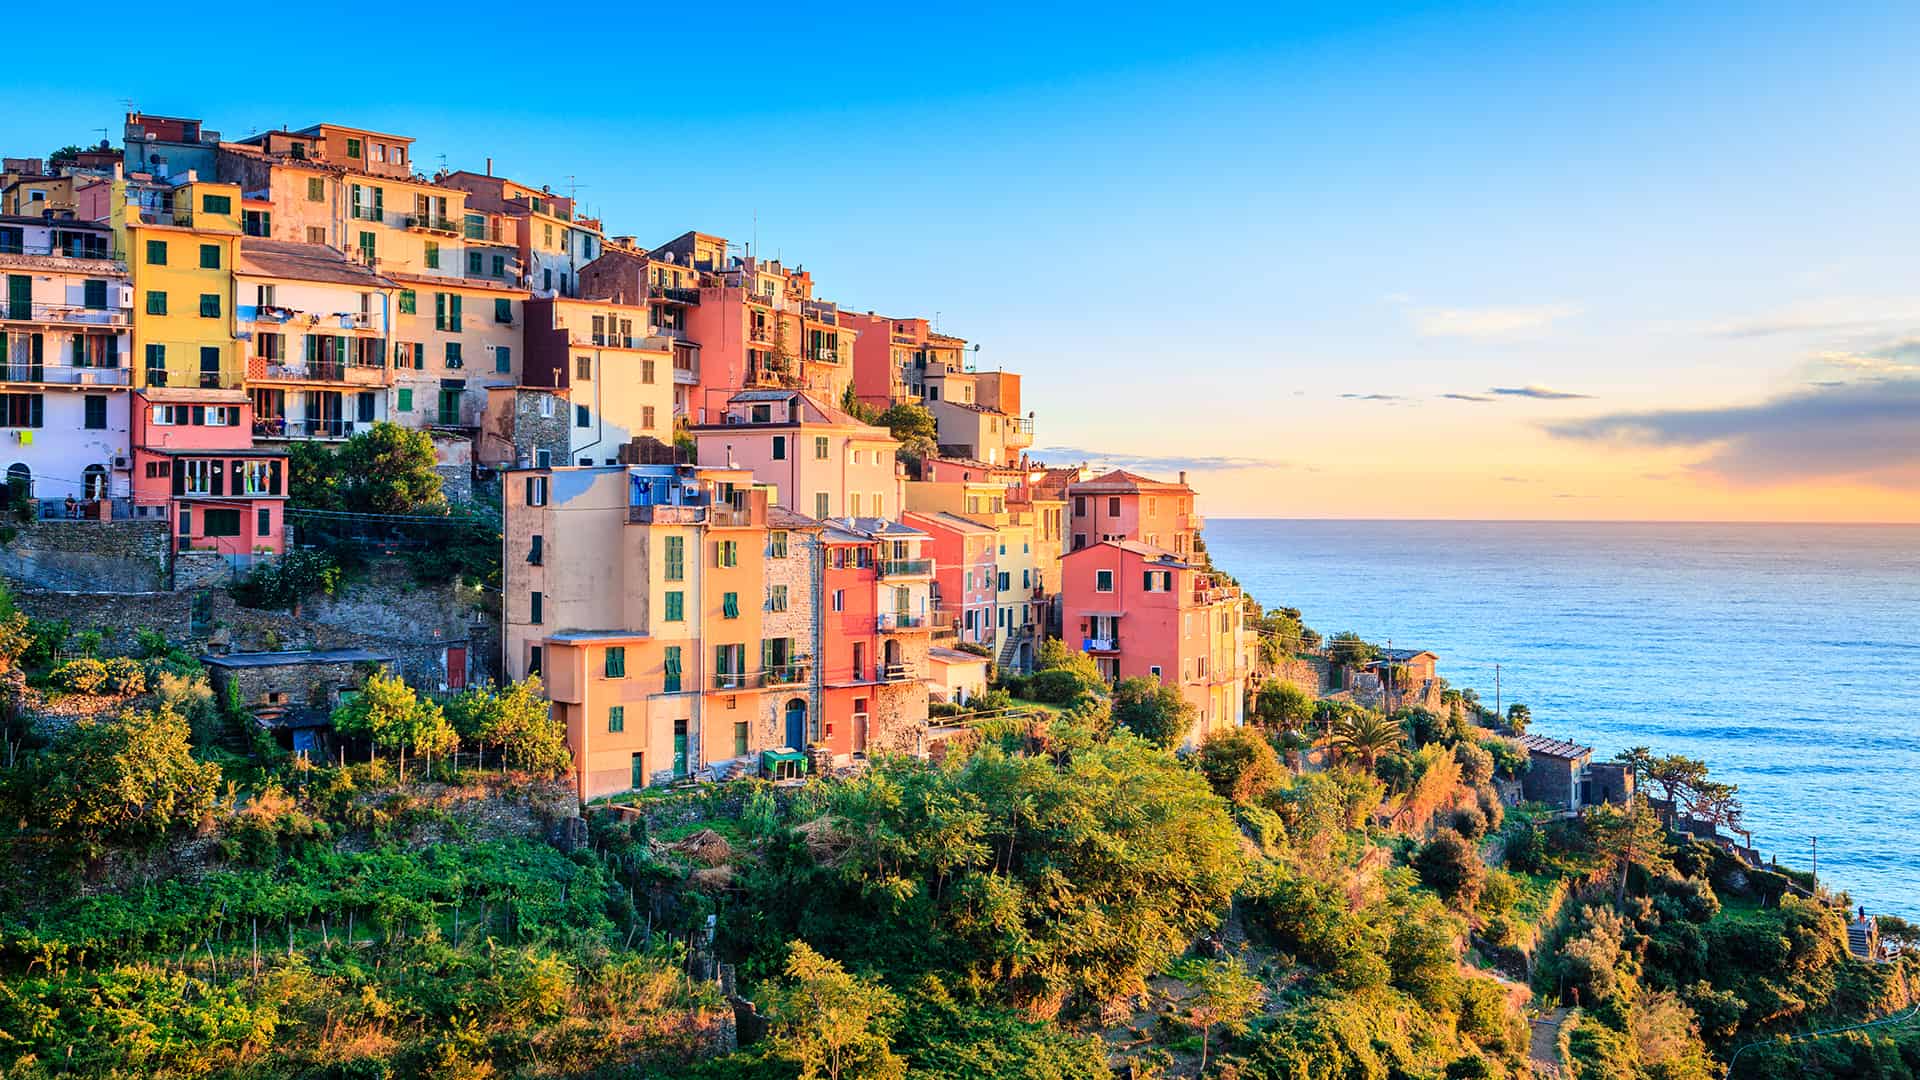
(1786, 656)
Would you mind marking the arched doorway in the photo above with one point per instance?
(19, 484)
(889, 657)
(797, 723)
(93, 482)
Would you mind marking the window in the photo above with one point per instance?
(647, 417)
(156, 302)
(503, 311)
(454, 359)
(156, 253)
(534, 609)
(647, 372)
(209, 256)
(581, 417)
(616, 661)
(533, 660)
(671, 683)
(353, 148)
(96, 412)
(368, 247)
(730, 605)
(1103, 581)
(739, 738)
(675, 607)
(1006, 582)
(409, 302)
(94, 294)
(675, 558)
(474, 262)
(536, 491)
(209, 305)
(822, 504)
(583, 367)
(853, 504)
(215, 522)
(777, 544)
(839, 599)
(316, 234)
(616, 717)
(209, 365)
(536, 551)
(216, 204)
(502, 358)
(499, 267)
(726, 553)
(820, 450)
(266, 523)
(316, 189)
(433, 255)
(403, 399)
(20, 410)
(776, 598)
(1113, 506)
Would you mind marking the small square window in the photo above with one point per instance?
(209, 256)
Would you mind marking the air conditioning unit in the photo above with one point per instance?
(126, 296)
(122, 463)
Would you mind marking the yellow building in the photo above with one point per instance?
(617, 376)
(181, 247)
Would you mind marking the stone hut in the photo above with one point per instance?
(1557, 771)
(293, 694)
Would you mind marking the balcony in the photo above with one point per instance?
(432, 224)
(277, 427)
(726, 514)
(98, 251)
(616, 341)
(893, 568)
(63, 314)
(899, 620)
(1100, 644)
(674, 294)
(359, 374)
(894, 673)
(1214, 595)
(685, 376)
(367, 213)
(827, 356)
(792, 673)
(115, 509)
(64, 374)
(762, 335)
(666, 515)
(737, 680)
(1020, 430)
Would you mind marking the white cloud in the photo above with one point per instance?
(1489, 323)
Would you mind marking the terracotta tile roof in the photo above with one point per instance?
(1559, 748)
(1122, 480)
(304, 262)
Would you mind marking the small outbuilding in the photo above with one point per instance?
(955, 675)
(1555, 772)
(293, 694)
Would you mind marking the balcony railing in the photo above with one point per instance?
(899, 620)
(63, 313)
(675, 294)
(826, 355)
(64, 375)
(1021, 425)
(367, 213)
(618, 341)
(275, 427)
(1110, 643)
(761, 334)
(666, 515)
(430, 223)
(892, 673)
(903, 567)
(324, 372)
(789, 674)
(737, 680)
(728, 514)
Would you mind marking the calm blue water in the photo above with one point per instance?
(1787, 656)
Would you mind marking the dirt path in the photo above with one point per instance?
(1544, 1052)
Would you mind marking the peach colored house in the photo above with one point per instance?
(819, 460)
(892, 357)
(1143, 611)
(876, 616)
(1120, 505)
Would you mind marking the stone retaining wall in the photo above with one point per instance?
(88, 556)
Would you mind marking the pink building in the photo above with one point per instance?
(193, 453)
(965, 574)
(1126, 506)
(819, 460)
(1143, 611)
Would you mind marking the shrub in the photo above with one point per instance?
(1476, 763)
(1056, 686)
(82, 675)
(289, 579)
(46, 638)
(125, 675)
(1451, 866)
(1469, 822)
(1240, 764)
(1152, 710)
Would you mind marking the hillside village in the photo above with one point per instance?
(445, 637)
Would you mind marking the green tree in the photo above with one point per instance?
(1349, 648)
(519, 722)
(1152, 710)
(1450, 865)
(830, 1022)
(388, 469)
(1224, 995)
(390, 715)
(1367, 735)
(1283, 705)
(913, 425)
(130, 779)
(1626, 837)
(1240, 764)
(1518, 717)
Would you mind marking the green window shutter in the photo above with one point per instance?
(675, 607)
(503, 359)
(473, 264)
(407, 302)
(616, 718)
(316, 189)
(96, 299)
(672, 682)
(209, 256)
(730, 605)
(439, 311)
(433, 255)
(403, 399)
(503, 311)
(156, 302)
(453, 354)
(453, 313)
(156, 253)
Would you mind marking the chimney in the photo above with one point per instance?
(1183, 478)
(489, 166)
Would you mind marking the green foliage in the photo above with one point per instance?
(117, 676)
(1283, 705)
(1450, 865)
(1224, 996)
(1349, 648)
(389, 714)
(1152, 710)
(45, 639)
(940, 1037)
(1240, 764)
(385, 469)
(831, 1023)
(518, 723)
(282, 583)
(126, 780)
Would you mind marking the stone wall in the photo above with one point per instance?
(897, 719)
(309, 686)
(796, 622)
(89, 556)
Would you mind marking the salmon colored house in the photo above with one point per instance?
(964, 575)
(1127, 506)
(193, 453)
(819, 460)
(1142, 611)
(877, 616)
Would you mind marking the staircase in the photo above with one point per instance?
(1010, 649)
(1863, 937)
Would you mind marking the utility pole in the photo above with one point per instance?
(1816, 868)
(1496, 692)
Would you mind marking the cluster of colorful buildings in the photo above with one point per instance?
(182, 308)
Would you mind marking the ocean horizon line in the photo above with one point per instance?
(1572, 521)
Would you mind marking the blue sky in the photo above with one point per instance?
(1272, 238)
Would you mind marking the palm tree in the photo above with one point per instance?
(1368, 735)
